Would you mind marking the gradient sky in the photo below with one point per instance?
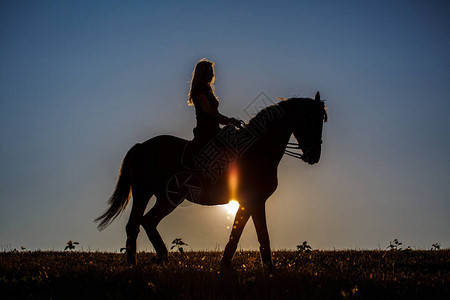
(82, 81)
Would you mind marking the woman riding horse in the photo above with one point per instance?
(149, 167)
(202, 96)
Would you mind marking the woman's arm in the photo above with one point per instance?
(214, 112)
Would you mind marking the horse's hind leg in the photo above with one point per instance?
(162, 208)
(140, 201)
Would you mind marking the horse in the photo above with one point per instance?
(160, 167)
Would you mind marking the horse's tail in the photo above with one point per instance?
(121, 195)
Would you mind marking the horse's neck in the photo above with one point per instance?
(276, 142)
(274, 134)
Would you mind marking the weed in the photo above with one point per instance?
(396, 245)
(178, 243)
(436, 246)
(71, 245)
(304, 247)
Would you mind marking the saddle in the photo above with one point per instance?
(212, 158)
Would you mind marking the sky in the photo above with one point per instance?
(83, 81)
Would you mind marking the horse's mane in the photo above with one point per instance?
(279, 109)
(268, 110)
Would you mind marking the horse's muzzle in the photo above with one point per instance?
(312, 155)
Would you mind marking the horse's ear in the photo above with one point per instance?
(317, 96)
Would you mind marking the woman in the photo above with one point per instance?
(202, 97)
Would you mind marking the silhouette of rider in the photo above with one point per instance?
(202, 97)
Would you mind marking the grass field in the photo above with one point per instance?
(197, 275)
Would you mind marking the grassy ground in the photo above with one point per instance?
(197, 275)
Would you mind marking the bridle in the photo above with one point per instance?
(296, 146)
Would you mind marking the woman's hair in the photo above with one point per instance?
(202, 79)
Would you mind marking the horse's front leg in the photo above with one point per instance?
(258, 214)
(241, 218)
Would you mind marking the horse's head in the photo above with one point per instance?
(307, 123)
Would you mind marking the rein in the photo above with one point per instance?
(294, 154)
(296, 146)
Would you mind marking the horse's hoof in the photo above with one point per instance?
(269, 267)
(160, 260)
(131, 260)
(225, 263)
(132, 263)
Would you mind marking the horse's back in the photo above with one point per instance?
(165, 140)
(163, 146)
(157, 158)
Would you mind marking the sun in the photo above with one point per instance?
(232, 207)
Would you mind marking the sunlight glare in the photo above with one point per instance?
(232, 207)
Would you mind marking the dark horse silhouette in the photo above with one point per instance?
(157, 167)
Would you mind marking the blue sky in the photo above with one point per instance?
(81, 82)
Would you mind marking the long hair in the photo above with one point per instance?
(202, 79)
